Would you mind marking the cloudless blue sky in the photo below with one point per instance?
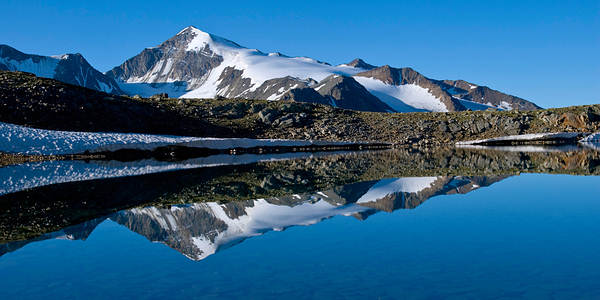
(543, 51)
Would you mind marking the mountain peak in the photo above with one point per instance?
(188, 29)
(359, 63)
(198, 39)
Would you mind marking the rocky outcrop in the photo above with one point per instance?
(345, 92)
(485, 95)
(359, 63)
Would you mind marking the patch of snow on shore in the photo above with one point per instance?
(25, 140)
(524, 137)
(15, 178)
(523, 148)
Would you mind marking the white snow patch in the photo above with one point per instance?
(25, 140)
(320, 87)
(525, 137)
(523, 148)
(505, 105)
(403, 98)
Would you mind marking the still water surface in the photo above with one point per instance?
(495, 236)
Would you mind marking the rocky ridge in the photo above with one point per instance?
(68, 68)
(208, 66)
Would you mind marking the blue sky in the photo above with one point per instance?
(543, 51)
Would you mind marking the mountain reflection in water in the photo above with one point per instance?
(199, 230)
(198, 211)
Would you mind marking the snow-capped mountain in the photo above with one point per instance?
(196, 64)
(69, 68)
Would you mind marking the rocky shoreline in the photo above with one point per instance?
(178, 153)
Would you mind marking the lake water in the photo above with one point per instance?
(465, 224)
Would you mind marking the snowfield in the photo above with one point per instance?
(25, 140)
(403, 98)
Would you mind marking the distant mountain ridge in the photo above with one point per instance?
(196, 64)
(68, 68)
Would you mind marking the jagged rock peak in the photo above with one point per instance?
(359, 63)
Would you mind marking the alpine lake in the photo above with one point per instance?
(448, 223)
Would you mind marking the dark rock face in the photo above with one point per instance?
(169, 60)
(345, 92)
(335, 90)
(33, 101)
(274, 89)
(232, 84)
(74, 69)
(339, 91)
(308, 95)
(68, 68)
(485, 95)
